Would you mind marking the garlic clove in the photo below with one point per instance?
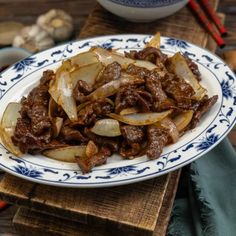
(57, 23)
(33, 38)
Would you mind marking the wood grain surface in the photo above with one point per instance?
(27, 12)
(182, 25)
(130, 208)
(39, 223)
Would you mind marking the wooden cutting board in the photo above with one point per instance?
(138, 209)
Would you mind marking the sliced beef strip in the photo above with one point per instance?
(133, 137)
(132, 134)
(87, 163)
(204, 105)
(140, 72)
(193, 67)
(69, 134)
(111, 72)
(35, 106)
(157, 139)
(179, 90)
(81, 90)
(34, 129)
(129, 151)
(89, 113)
(151, 54)
(111, 143)
(28, 142)
(154, 86)
(129, 96)
(107, 147)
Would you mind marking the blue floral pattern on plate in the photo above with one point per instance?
(146, 3)
(21, 77)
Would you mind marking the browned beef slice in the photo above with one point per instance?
(179, 90)
(149, 53)
(140, 72)
(129, 96)
(35, 106)
(102, 107)
(81, 90)
(133, 134)
(89, 113)
(33, 129)
(153, 85)
(69, 134)
(157, 139)
(111, 143)
(129, 151)
(193, 67)
(87, 163)
(133, 137)
(111, 72)
(204, 105)
(28, 142)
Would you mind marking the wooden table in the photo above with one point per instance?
(27, 12)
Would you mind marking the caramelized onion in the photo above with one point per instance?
(61, 91)
(155, 41)
(88, 73)
(130, 110)
(8, 124)
(107, 127)
(113, 86)
(169, 125)
(107, 57)
(56, 125)
(179, 66)
(140, 118)
(183, 119)
(66, 154)
(84, 59)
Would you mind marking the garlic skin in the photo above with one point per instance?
(33, 38)
(57, 23)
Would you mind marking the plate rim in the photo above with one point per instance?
(136, 178)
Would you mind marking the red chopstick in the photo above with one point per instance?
(3, 205)
(201, 15)
(214, 17)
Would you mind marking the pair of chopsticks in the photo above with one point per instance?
(216, 34)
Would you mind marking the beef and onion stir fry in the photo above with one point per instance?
(99, 102)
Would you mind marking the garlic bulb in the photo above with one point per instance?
(57, 23)
(33, 38)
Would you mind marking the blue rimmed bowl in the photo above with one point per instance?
(143, 10)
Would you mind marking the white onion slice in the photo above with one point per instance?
(179, 66)
(91, 149)
(66, 154)
(61, 91)
(168, 124)
(84, 59)
(7, 128)
(88, 73)
(107, 127)
(155, 41)
(57, 123)
(129, 110)
(183, 119)
(107, 57)
(140, 118)
(113, 86)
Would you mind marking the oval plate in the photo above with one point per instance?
(18, 80)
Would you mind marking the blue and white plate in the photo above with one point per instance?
(214, 126)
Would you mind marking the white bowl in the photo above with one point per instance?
(10, 55)
(143, 10)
